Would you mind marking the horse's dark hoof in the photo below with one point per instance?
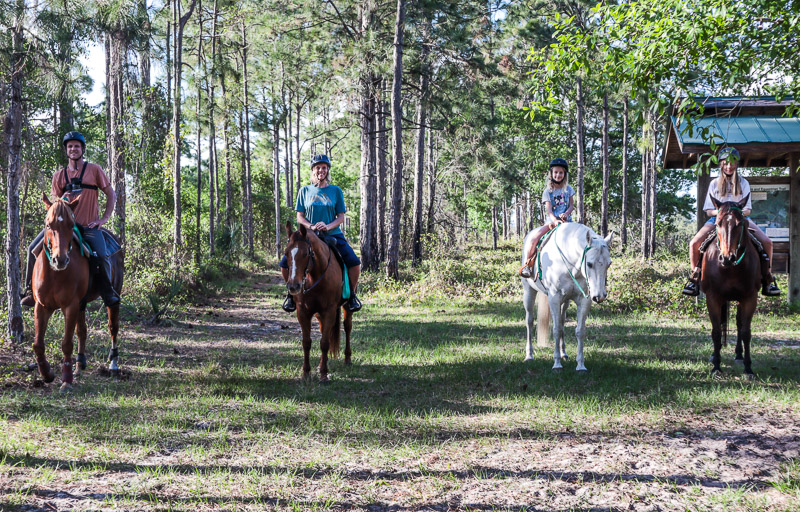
(115, 374)
(82, 361)
(738, 361)
(324, 380)
(583, 371)
(716, 374)
(66, 387)
(750, 376)
(557, 370)
(46, 372)
(348, 362)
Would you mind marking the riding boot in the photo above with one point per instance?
(527, 270)
(692, 288)
(27, 295)
(353, 304)
(288, 303)
(107, 291)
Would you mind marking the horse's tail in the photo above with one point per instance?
(336, 334)
(543, 326)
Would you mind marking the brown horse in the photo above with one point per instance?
(731, 272)
(315, 282)
(61, 280)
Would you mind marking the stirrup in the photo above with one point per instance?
(691, 289)
(353, 304)
(288, 303)
(525, 272)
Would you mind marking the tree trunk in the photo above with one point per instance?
(393, 255)
(653, 184)
(213, 166)
(494, 227)
(298, 110)
(197, 251)
(606, 170)
(419, 164)
(431, 184)
(290, 148)
(13, 136)
(276, 182)
(580, 151)
(624, 226)
(381, 165)
(226, 143)
(645, 192)
(248, 175)
(118, 48)
(179, 22)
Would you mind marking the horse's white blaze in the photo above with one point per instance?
(294, 263)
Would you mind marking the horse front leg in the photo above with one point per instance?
(327, 322)
(348, 327)
(304, 318)
(41, 317)
(71, 314)
(555, 300)
(81, 331)
(584, 304)
(113, 329)
(529, 301)
(715, 315)
(744, 316)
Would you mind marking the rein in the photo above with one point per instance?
(741, 237)
(311, 262)
(47, 244)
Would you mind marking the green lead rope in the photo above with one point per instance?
(80, 242)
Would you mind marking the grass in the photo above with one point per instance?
(438, 405)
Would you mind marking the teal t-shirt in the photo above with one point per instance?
(321, 204)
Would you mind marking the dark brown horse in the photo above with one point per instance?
(61, 280)
(731, 272)
(315, 282)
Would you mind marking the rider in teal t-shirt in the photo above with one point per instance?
(321, 204)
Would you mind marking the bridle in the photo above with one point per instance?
(47, 245)
(741, 236)
(309, 265)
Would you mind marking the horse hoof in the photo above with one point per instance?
(324, 380)
(565, 357)
(348, 362)
(750, 376)
(81, 361)
(582, 371)
(738, 361)
(528, 358)
(716, 374)
(66, 387)
(115, 374)
(557, 370)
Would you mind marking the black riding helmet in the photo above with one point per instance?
(320, 159)
(74, 136)
(560, 162)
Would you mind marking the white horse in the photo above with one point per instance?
(572, 265)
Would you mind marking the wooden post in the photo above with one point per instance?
(793, 294)
(703, 182)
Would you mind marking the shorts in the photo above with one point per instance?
(349, 256)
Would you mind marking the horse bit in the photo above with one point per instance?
(309, 264)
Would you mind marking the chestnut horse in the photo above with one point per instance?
(61, 281)
(731, 272)
(315, 281)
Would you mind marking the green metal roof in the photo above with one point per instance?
(738, 130)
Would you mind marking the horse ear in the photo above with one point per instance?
(715, 202)
(288, 228)
(46, 200)
(74, 203)
(741, 204)
(609, 238)
(588, 238)
(302, 230)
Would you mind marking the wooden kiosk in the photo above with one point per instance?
(764, 138)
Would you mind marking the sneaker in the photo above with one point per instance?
(770, 289)
(288, 303)
(691, 289)
(525, 272)
(353, 304)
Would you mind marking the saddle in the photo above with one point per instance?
(77, 236)
(539, 246)
(331, 242)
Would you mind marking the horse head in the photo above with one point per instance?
(598, 259)
(58, 225)
(731, 230)
(300, 256)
